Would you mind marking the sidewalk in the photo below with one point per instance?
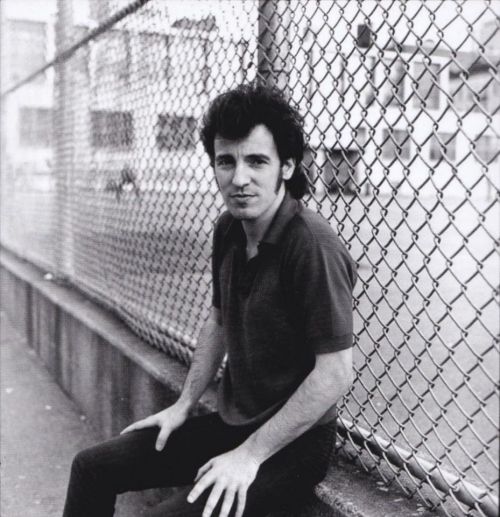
(41, 430)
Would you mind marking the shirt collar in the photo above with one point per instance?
(286, 211)
(288, 208)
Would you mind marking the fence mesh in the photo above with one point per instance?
(105, 184)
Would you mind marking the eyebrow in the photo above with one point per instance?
(260, 156)
(223, 156)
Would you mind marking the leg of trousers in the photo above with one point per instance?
(130, 462)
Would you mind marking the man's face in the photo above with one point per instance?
(249, 174)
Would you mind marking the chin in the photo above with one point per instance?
(241, 213)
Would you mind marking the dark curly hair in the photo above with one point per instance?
(233, 114)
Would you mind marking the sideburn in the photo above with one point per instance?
(279, 182)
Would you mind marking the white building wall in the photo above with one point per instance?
(28, 165)
(339, 78)
(173, 79)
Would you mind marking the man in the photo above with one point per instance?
(282, 311)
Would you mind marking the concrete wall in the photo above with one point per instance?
(108, 371)
(116, 378)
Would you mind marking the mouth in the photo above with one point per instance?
(242, 197)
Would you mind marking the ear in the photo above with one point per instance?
(287, 168)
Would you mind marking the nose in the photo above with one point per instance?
(240, 176)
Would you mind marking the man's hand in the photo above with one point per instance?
(230, 474)
(167, 420)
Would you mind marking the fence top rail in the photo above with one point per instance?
(109, 185)
(67, 53)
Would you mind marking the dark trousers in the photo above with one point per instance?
(130, 462)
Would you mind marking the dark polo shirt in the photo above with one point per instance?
(279, 309)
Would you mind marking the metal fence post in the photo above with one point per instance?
(273, 52)
(421, 119)
(62, 141)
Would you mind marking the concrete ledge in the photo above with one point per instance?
(116, 378)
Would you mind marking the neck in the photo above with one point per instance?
(256, 228)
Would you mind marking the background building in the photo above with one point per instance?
(105, 184)
(365, 115)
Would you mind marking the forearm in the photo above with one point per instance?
(206, 360)
(312, 399)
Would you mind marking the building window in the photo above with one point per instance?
(460, 92)
(486, 148)
(205, 70)
(368, 88)
(175, 132)
(395, 144)
(151, 56)
(485, 96)
(309, 164)
(187, 63)
(427, 86)
(112, 63)
(27, 49)
(393, 88)
(443, 147)
(35, 127)
(80, 61)
(475, 90)
(112, 129)
(99, 10)
(360, 136)
(493, 97)
(339, 172)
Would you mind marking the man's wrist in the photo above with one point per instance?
(252, 450)
(184, 404)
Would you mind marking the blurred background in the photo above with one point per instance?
(105, 185)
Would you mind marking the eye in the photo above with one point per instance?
(256, 160)
(223, 161)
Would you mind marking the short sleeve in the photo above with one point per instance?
(323, 278)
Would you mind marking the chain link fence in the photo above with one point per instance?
(105, 184)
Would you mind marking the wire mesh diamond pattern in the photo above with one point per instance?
(401, 111)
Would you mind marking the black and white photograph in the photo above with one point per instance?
(249, 258)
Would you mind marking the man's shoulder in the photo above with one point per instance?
(309, 228)
(314, 244)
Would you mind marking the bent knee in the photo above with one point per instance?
(86, 462)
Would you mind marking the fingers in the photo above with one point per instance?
(202, 470)
(162, 438)
(228, 503)
(131, 427)
(229, 474)
(199, 488)
(140, 424)
(242, 501)
(212, 500)
(214, 497)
